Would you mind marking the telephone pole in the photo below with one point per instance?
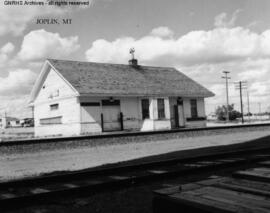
(248, 106)
(227, 93)
(260, 111)
(241, 85)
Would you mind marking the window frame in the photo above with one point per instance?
(48, 121)
(193, 108)
(161, 108)
(145, 111)
(54, 107)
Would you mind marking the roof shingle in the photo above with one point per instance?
(90, 78)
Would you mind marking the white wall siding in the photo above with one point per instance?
(56, 91)
(195, 124)
(54, 87)
(147, 125)
(90, 128)
(90, 119)
(167, 108)
(153, 108)
(162, 124)
(58, 130)
(69, 109)
(201, 108)
(186, 104)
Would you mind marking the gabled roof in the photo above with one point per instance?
(117, 79)
(11, 118)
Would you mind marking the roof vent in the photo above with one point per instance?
(133, 61)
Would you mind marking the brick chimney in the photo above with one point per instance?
(133, 62)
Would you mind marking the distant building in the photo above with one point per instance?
(6, 122)
(73, 98)
(27, 122)
(212, 116)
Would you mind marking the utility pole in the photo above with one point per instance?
(248, 106)
(241, 85)
(260, 111)
(227, 93)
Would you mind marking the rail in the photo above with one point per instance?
(27, 191)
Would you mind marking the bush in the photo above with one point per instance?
(221, 113)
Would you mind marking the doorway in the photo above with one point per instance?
(179, 113)
(111, 115)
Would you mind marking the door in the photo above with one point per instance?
(111, 115)
(181, 119)
(176, 119)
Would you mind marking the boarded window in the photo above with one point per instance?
(145, 108)
(54, 107)
(193, 108)
(90, 104)
(51, 121)
(111, 102)
(90, 113)
(161, 108)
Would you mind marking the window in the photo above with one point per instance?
(50, 121)
(193, 108)
(145, 108)
(54, 94)
(161, 108)
(54, 106)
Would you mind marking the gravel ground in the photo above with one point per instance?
(31, 160)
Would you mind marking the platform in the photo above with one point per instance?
(246, 191)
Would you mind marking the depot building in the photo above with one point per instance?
(76, 98)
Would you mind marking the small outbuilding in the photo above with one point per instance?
(8, 122)
(74, 98)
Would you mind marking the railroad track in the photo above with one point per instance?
(27, 191)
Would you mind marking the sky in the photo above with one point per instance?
(201, 38)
